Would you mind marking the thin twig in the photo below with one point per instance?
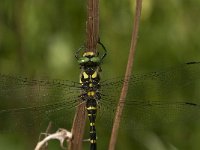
(61, 135)
(92, 31)
(45, 145)
(124, 90)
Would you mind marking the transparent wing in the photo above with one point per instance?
(153, 98)
(189, 71)
(156, 98)
(26, 103)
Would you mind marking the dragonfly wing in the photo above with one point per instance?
(180, 76)
(156, 97)
(27, 102)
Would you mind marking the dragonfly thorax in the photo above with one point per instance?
(90, 74)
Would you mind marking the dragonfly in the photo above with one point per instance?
(27, 103)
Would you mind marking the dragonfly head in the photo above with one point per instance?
(89, 58)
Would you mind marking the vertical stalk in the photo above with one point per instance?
(92, 32)
(78, 128)
(92, 25)
(129, 67)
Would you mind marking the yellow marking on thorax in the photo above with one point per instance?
(80, 81)
(90, 85)
(88, 54)
(94, 75)
(85, 75)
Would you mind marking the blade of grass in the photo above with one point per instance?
(129, 67)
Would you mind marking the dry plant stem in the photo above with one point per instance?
(92, 30)
(124, 90)
(61, 135)
(78, 128)
(92, 25)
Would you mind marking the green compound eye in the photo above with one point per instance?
(83, 60)
(95, 59)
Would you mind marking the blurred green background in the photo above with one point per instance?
(38, 38)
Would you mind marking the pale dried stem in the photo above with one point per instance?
(61, 135)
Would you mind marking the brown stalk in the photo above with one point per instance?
(129, 67)
(92, 31)
(92, 25)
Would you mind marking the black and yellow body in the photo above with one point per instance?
(90, 84)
